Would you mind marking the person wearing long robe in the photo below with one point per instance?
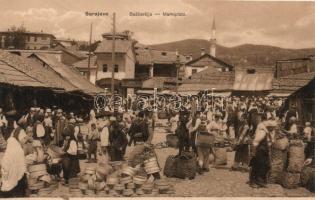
(118, 141)
(70, 162)
(13, 166)
(260, 161)
(182, 132)
(59, 128)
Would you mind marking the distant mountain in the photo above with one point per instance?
(247, 54)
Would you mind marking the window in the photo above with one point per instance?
(164, 53)
(35, 39)
(35, 48)
(28, 38)
(105, 68)
(194, 71)
(251, 71)
(44, 38)
(116, 69)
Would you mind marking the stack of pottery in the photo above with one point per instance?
(39, 178)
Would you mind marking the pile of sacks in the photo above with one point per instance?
(287, 162)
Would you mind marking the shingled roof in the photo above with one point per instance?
(208, 79)
(69, 73)
(290, 84)
(33, 69)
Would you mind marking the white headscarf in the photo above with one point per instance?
(13, 165)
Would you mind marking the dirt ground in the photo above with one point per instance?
(216, 183)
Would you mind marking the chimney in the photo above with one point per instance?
(203, 52)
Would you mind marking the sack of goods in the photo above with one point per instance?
(170, 166)
(204, 139)
(278, 159)
(290, 180)
(172, 140)
(296, 157)
(186, 166)
(281, 143)
(220, 156)
(306, 174)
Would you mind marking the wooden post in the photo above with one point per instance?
(89, 58)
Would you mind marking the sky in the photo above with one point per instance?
(284, 24)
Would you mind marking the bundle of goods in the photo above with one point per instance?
(277, 165)
(172, 140)
(39, 178)
(296, 156)
(186, 165)
(204, 139)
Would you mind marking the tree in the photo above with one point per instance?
(16, 38)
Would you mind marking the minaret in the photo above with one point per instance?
(213, 41)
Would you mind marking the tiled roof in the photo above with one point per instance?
(83, 64)
(70, 74)
(292, 83)
(157, 82)
(121, 46)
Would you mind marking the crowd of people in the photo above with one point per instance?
(251, 122)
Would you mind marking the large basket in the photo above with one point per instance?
(186, 166)
(205, 139)
(172, 140)
(170, 166)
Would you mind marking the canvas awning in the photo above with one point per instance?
(253, 82)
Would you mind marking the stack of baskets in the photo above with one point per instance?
(90, 183)
(39, 179)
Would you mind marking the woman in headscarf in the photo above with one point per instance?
(13, 166)
(70, 163)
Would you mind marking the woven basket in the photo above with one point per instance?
(172, 140)
(296, 158)
(170, 166)
(186, 166)
(306, 174)
(290, 180)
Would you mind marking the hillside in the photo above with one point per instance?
(247, 54)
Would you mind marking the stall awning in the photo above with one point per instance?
(253, 82)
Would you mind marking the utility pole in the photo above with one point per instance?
(89, 58)
(113, 55)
